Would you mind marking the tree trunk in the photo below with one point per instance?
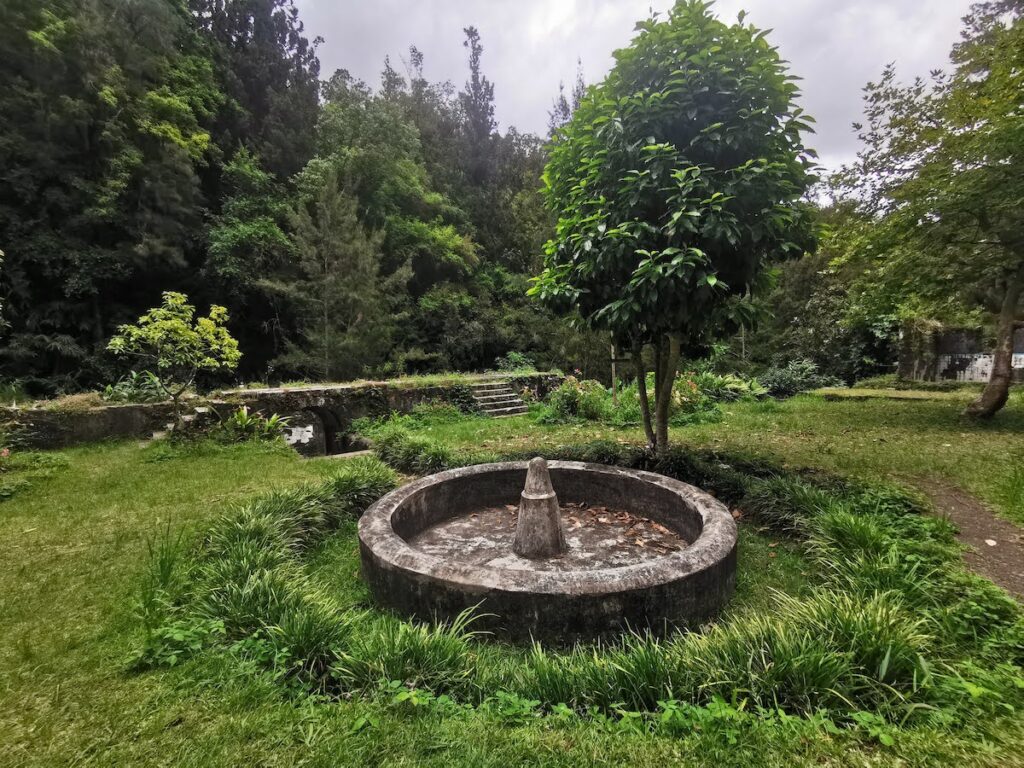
(997, 391)
(667, 365)
(641, 388)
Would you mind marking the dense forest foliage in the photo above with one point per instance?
(372, 229)
(193, 146)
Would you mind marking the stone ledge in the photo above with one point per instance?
(320, 415)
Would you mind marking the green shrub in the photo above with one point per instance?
(726, 387)
(136, 387)
(429, 414)
(397, 447)
(170, 644)
(576, 399)
(243, 425)
(795, 377)
(515, 362)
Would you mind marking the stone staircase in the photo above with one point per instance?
(498, 399)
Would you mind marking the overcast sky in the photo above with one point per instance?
(836, 46)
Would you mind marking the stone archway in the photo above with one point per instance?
(320, 431)
(306, 432)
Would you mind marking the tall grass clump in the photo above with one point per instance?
(830, 650)
(635, 672)
(247, 578)
(397, 446)
(440, 658)
(1012, 490)
(308, 640)
(786, 504)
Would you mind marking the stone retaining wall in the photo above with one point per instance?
(319, 416)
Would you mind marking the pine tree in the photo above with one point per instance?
(477, 101)
(343, 316)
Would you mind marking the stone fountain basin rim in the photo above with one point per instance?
(715, 542)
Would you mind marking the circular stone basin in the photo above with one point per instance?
(642, 551)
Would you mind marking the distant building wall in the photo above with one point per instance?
(952, 355)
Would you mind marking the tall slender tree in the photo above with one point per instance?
(477, 101)
(343, 316)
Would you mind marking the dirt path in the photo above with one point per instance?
(995, 546)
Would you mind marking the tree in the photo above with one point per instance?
(178, 346)
(563, 107)
(941, 178)
(477, 101)
(249, 244)
(103, 111)
(271, 75)
(676, 181)
(814, 312)
(342, 309)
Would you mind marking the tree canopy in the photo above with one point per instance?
(678, 180)
(155, 145)
(939, 185)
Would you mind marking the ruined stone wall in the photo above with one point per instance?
(319, 417)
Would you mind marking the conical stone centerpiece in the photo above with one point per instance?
(539, 531)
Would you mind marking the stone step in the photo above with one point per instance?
(490, 385)
(503, 404)
(512, 410)
(496, 396)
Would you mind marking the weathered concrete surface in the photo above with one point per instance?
(44, 428)
(539, 529)
(319, 416)
(595, 538)
(683, 588)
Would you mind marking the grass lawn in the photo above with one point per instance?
(870, 439)
(74, 543)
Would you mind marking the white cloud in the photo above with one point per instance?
(836, 46)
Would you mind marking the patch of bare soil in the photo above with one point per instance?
(995, 547)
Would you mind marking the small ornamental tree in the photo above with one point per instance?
(676, 182)
(170, 341)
